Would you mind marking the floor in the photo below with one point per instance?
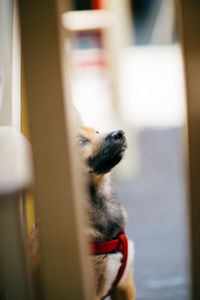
(156, 205)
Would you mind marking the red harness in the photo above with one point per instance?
(120, 244)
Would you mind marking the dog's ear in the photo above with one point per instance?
(76, 116)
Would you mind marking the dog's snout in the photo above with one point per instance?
(118, 134)
(115, 135)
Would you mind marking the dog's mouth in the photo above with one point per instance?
(109, 153)
(118, 149)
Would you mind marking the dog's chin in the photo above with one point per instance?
(120, 153)
(105, 161)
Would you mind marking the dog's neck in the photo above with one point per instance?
(100, 187)
(106, 213)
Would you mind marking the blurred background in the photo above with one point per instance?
(126, 72)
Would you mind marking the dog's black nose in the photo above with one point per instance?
(118, 134)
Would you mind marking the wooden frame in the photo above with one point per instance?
(190, 23)
(58, 200)
(6, 43)
(15, 177)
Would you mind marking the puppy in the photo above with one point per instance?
(107, 218)
(101, 153)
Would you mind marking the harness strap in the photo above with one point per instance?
(120, 244)
(105, 247)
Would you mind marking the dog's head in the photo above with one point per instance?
(101, 152)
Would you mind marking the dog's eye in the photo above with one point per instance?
(82, 142)
(97, 131)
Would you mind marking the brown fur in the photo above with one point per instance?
(34, 261)
(100, 188)
(125, 292)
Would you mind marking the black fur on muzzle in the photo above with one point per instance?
(109, 152)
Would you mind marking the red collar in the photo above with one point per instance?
(120, 244)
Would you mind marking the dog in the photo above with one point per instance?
(100, 153)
